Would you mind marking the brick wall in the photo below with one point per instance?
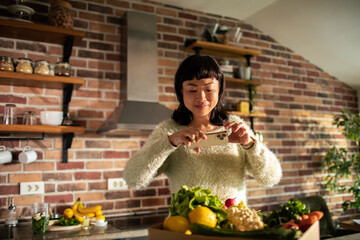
(299, 98)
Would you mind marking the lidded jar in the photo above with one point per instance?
(7, 64)
(42, 67)
(24, 65)
(62, 69)
(60, 14)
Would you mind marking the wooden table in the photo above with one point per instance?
(349, 224)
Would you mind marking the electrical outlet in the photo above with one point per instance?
(116, 184)
(29, 188)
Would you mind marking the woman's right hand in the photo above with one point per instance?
(186, 137)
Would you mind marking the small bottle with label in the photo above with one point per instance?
(11, 218)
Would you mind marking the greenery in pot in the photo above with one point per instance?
(342, 164)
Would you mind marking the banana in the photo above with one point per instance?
(85, 210)
(80, 211)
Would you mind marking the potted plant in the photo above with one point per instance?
(342, 164)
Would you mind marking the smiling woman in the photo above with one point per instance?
(199, 86)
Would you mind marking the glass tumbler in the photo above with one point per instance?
(29, 118)
(10, 114)
(40, 217)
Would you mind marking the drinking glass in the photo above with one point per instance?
(40, 217)
(29, 118)
(10, 114)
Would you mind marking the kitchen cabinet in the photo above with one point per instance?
(43, 33)
(234, 52)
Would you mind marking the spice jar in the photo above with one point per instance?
(60, 14)
(6, 64)
(42, 67)
(62, 69)
(24, 65)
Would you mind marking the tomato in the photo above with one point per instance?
(290, 225)
(318, 214)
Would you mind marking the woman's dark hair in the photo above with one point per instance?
(199, 67)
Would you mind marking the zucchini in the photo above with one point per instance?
(268, 233)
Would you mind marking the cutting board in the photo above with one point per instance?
(54, 228)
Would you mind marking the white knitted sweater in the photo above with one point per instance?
(219, 168)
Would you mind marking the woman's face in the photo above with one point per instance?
(201, 96)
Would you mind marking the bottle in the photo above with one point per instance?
(11, 219)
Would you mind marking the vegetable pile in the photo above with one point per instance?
(187, 199)
(196, 211)
(288, 211)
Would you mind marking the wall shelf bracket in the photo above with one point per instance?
(68, 45)
(67, 92)
(66, 144)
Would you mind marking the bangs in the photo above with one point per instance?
(202, 68)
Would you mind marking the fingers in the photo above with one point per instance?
(239, 133)
(186, 137)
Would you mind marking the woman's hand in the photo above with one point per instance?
(239, 133)
(186, 137)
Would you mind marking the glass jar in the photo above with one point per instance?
(6, 64)
(60, 14)
(62, 69)
(24, 65)
(42, 67)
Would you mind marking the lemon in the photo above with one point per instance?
(203, 215)
(176, 224)
(68, 212)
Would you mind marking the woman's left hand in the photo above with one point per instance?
(239, 133)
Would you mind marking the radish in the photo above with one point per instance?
(230, 202)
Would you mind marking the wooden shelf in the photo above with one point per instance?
(242, 82)
(254, 114)
(221, 50)
(41, 128)
(37, 80)
(38, 32)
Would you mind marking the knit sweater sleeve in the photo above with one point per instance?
(263, 165)
(144, 165)
(261, 162)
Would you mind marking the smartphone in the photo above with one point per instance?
(216, 138)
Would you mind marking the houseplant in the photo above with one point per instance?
(342, 164)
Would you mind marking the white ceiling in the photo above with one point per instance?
(325, 32)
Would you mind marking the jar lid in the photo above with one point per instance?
(10, 105)
(6, 58)
(42, 61)
(24, 59)
(61, 3)
(63, 64)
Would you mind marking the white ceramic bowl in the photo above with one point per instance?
(53, 118)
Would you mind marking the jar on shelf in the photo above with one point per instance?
(42, 67)
(24, 65)
(7, 64)
(62, 69)
(60, 14)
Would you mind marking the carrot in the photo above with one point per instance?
(318, 214)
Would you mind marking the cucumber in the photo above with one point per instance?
(269, 233)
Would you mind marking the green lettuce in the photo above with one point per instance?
(186, 199)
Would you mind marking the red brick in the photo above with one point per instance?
(87, 175)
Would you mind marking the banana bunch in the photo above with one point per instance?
(79, 212)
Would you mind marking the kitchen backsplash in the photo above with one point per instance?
(298, 97)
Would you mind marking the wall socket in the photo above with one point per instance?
(29, 188)
(117, 184)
